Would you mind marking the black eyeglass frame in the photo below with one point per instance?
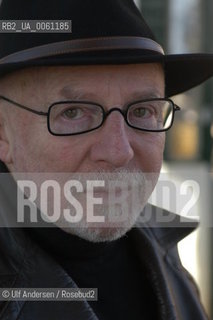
(105, 113)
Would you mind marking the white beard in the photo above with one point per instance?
(119, 218)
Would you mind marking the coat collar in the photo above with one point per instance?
(168, 228)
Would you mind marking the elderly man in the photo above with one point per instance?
(91, 105)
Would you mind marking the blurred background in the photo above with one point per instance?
(185, 26)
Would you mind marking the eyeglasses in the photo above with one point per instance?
(66, 118)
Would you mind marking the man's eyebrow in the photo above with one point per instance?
(73, 92)
(148, 94)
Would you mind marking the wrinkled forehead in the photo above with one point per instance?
(68, 79)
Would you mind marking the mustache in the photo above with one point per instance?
(122, 175)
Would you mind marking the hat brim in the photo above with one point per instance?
(186, 71)
(182, 71)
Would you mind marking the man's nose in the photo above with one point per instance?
(113, 144)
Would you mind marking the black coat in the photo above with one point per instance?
(24, 264)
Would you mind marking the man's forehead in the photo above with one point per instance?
(69, 80)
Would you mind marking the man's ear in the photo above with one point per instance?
(5, 152)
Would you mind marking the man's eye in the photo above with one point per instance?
(141, 112)
(73, 113)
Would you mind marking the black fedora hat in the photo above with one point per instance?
(103, 32)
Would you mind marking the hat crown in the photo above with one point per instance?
(90, 19)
